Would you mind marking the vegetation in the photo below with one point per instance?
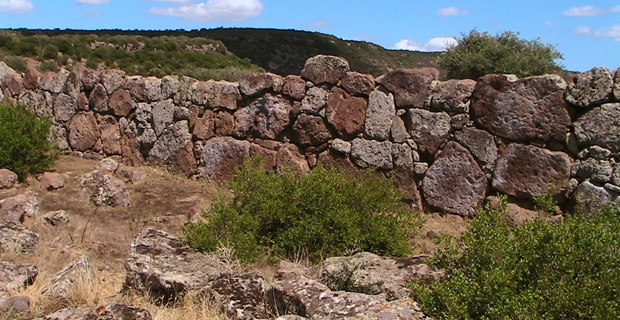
(24, 147)
(479, 53)
(540, 270)
(322, 214)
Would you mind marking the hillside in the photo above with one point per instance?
(203, 54)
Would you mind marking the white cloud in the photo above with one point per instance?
(92, 1)
(317, 24)
(16, 6)
(605, 32)
(223, 10)
(451, 11)
(433, 45)
(589, 11)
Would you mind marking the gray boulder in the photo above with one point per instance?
(481, 144)
(254, 84)
(590, 199)
(454, 183)
(314, 101)
(429, 130)
(528, 171)
(242, 296)
(163, 267)
(322, 68)
(64, 107)
(271, 117)
(522, 110)
(601, 127)
(172, 139)
(372, 153)
(411, 87)
(163, 116)
(594, 170)
(452, 96)
(15, 276)
(112, 311)
(590, 88)
(75, 274)
(379, 115)
(16, 239)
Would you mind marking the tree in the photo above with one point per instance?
(479, 53)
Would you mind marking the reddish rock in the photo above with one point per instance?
(184, 159)
(358, 84)
(198, 92)
(8, 179)
(244, 121)
(411, 87)
(429, 130)
(54, 81)
(294, 87)
(452, 96)
(528, 171)
(89, 78)
(52, 181)
(455, 183)
(267, 156)
(110, 135)
(32, 79)
(346, 114)
(224, 123)
(271, 117)
(152, 89)
(82, 102)
(204, 126)
(522, 110)
(136, 87)
(289, 158)
(405, 181)
(310, 130)
(121, 103)
(322, 68)
(112, 79)
(253, 84)
(98, 99)
(220, 157)
(13, 83)
(15, 209)
(83, 131)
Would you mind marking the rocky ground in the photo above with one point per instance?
(92, 239)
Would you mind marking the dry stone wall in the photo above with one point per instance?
(447, 144)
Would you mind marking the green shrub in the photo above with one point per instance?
(479, 53)
(24, 147)
(322, 214)
(16, 63)
(541, 270)
(48, 65)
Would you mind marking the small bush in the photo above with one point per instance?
(322, 214)
(24, 147)
(479, 53)
(48, 65)
(16, 63)
(541, 270)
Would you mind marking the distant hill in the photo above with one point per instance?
(206, 53)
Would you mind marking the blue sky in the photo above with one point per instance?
(587, 32)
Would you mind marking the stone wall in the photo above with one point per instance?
(447, 144)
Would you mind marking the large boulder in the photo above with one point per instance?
(372, 153)
(358, 84)
(112, 79)
(527, 171)
(163, 267)
(310, 130)
(369, 273)
(15, 209)
(222, 95)
(242, 297)
(16, 239)
(590, 88)
(32, 79)
(121, 103)
(271, 117)
(452, 96)
(429, 130)
(110, 135)
(411, 87)
(83, 131)
(98, 99)
(322, 68)
(163, 116)
(522, 110)
(379, 115)
(172, 139)
(346, 114)
(52, 181)
(253, 84)
(8, 179)
(601, 127)
(455, 183)
(220, 156)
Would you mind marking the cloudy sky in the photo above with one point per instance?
(587, 32)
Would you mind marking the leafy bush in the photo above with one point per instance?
(24, 147)
(16, 63)
(322, 214)
(479, 53)
(541, 270)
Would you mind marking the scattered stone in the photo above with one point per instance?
(411, 87)
(452, 96)
(372, 153)
(111, 191)
(163, 267)
(379, 115)
(428, 129)
(528, 171)
(56, 218)
(591, 88)
(15, 209)
(52, 181)
(8, 179)
(322, 68)
(62, 284)
(455, 183)
(601, 127)
(16, 239)
(14, 275)
(358, 84)
(522, 110)
(345, 114)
